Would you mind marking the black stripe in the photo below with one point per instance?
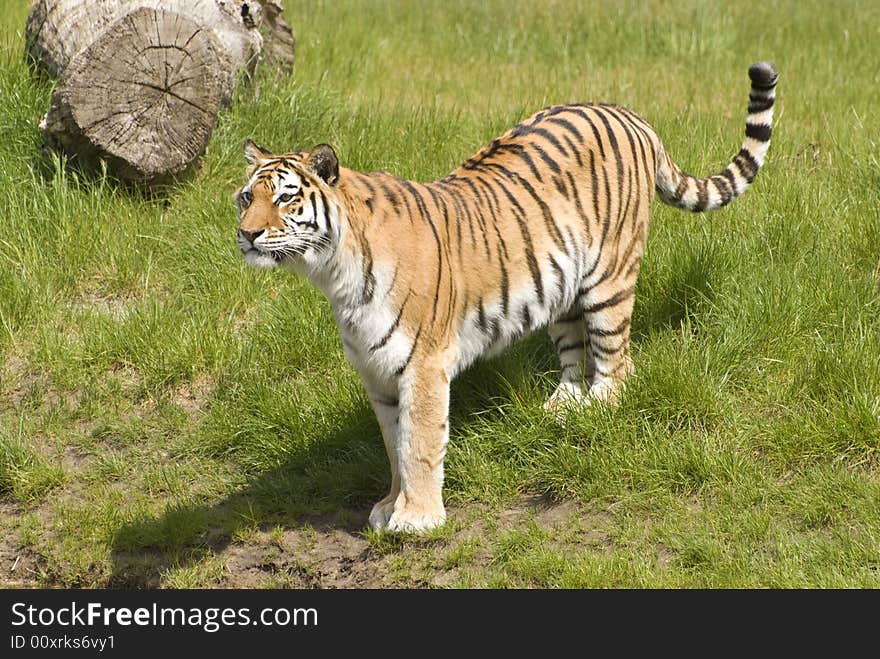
(570, 127)
(547, 135)
(410, 355)
(575, 150)
(760, 132)
(759, 104)
(682, 185)
(390, 195)
(369, 287)
(481, 315)
(586, 117)
(625, 125)
(722, 185)
(607, 352)
(612, 301)
(538, 116)
(464, 207)
(447, 183)
(575, 314)
(608, 374)
(420, 201)
(521, 152)
(615, 148)
(644, 133)
(486, 152)
(628, 129)
(550, 137)
(702, 196)
(387, 402)
(748, 167)
(481, 220)
(594, 180)
(525, 316)
(636, 120)
(461, 212)
(440, 203)
(730, 176)
(634, 264)
(578, 206)
(560, 186)
(366, 181)
(623, 213)
(405, 199)
(376, 346)
(552, 164)
(534, 270)
(326, 206)
(549, 220)
(559, 271)
(620, 329)
(577, 345)
(314, 206)
(493, 214)
(505, 287)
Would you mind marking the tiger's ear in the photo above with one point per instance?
(323, 162)
(255, 154)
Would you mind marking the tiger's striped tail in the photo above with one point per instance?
(682, 190)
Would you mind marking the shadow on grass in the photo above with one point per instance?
(329, 486)
(91, 174)
(306, 490)
(678, 297)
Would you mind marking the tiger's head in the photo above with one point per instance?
(286, 209)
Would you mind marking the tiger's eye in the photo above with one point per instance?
(285, 197)
(246, 198)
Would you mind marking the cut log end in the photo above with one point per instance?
(144, 95)
(142, 81)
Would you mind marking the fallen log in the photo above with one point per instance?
(141, 81)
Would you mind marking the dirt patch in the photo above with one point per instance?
(21, 387)
(321, 555)
(193, 396)
(316, 555)
(332, 559)
(18, 382)
(74, 460)
(114, 306)
(20, 567)
(337, 552)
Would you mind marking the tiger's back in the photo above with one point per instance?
(545, 226)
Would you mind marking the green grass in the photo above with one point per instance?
(171, 418)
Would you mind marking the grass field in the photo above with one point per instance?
(171, 418)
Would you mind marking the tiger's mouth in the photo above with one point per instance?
(260, 259)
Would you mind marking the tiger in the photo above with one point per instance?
(544, 227)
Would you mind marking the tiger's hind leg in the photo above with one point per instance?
(576, 367)
(608, 315)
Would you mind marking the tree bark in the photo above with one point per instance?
(142, 81)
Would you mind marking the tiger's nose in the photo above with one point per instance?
(251, 236)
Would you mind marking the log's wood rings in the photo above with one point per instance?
(145, 93)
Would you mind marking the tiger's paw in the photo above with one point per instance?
(566, 398)
(606, 391)
(390, 515)
(381, 513)
(410, 521)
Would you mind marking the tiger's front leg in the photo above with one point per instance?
(420, 447)
(386, 406)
